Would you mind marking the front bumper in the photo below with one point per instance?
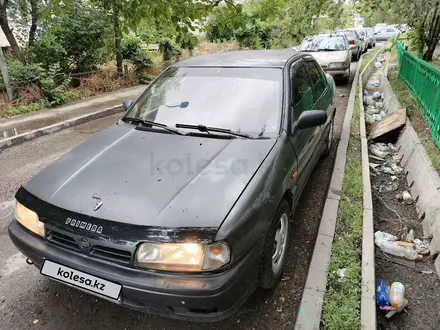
(337, 71)
(195, 297)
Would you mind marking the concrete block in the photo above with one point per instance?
(368, 248)
(317, 277)
(368, 203)
(335, 189)
(309, 314)
(368, 312)
(343, 145)
(340, 163)
(328, 219)
(405, 144)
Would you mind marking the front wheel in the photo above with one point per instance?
(275, 248)
(329, 139)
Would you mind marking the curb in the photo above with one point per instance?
(309, 314)
(368, 304)
(18, 139)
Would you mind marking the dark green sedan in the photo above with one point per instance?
(184, 206)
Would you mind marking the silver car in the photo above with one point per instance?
(354, 42)
(331, 51)
(387, 33)
(371, 37)
(363, 38)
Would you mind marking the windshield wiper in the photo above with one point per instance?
(206, 129)
(145, 122)
(327, 50)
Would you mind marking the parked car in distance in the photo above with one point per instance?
(387, 33)
(354, 42)
(363, 38)
(371, 37)
(183, 207)
(331, 51)
(379, 27)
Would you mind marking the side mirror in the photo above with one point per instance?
(362, 38)
(127, 104)
(310, 118)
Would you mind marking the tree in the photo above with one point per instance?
(422, 15)
(78, 38)
(4, 23)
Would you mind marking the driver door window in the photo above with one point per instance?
(301, 91)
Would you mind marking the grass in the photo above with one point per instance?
(367, 57)
(341, 308)
(406, 100)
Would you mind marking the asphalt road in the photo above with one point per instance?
(30, 301)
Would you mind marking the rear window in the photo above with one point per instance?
(349, 34)
(323, 44)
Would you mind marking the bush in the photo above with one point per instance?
(255, 34)
(22, 109)
(144, 78)
(79, 39)
(20, 73)
(133, 51)
(169, 49)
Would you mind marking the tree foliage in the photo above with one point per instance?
(422, 15)
(79, 39)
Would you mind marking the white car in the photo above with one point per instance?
(331, 51)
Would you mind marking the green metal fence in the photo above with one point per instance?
(423, 80)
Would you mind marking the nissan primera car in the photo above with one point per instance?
(183, 207)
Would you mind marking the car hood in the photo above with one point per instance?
(324, 58)
(150, 178)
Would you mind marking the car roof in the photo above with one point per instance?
(246, 58)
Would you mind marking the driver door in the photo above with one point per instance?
(304, 141)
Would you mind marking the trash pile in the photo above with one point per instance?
(409, 248)
(374, 107)
(403, 248)
(391, 299)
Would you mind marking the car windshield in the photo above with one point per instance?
(370, 32)
(245, 100)
(317, 44)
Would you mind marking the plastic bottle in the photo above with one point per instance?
(388, 245)
(397, 294)
(382, 294)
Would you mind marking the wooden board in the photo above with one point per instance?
(389, 123)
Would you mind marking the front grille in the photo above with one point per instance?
(97, 251)
(62, 240)
(111, 254)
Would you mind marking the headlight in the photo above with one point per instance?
(29, 219)
(186, 257)
(336, 65)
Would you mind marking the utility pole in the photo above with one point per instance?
(5, 75)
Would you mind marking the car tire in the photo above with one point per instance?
(329, 139)
(276, 242)
(346, 78)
